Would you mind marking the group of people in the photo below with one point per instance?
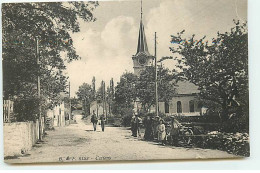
(94, 121)
(155, 129)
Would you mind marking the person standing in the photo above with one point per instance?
(161, 132)
(94, 120)
(156, 122)
(136, 125)
(175, 127)
(103, 120)
(148, 135)
(133, 124)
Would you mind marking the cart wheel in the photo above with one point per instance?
(186, 139)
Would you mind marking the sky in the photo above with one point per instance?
(106, 46)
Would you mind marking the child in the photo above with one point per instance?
(161, 132)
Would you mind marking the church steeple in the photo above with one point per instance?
(142, 58)
(142, 44)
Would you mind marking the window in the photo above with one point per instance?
(179, 107)
(166, 106)
(200, 105)
(191, 103)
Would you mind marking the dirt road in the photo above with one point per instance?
(78, 142)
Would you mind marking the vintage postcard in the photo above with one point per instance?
(132, 80)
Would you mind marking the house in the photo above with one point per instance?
(184, 102)
(60, 114)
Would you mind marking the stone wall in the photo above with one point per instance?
(19, 137)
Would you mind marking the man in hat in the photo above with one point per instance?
(136, 125)
(94, 120)
(103, 120)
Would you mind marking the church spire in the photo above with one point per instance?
(142, 44)
(141, 9)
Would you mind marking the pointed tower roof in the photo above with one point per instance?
(142, 44)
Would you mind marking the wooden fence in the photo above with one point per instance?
(8, 109)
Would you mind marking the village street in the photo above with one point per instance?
(78, 142)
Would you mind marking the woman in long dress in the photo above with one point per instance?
(161, 132)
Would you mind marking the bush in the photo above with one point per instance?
(126, 120)
(199, 119)
(237, 123)
(26, 109)
(234, 143)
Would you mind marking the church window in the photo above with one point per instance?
(179, 107)
(166, 105)
(191, 104)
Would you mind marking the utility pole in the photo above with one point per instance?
(69, 104)
(103, 97)
(39, 88)
(156, 85)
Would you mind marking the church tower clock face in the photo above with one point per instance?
(142, 60)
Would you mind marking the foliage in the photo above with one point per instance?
(219, 68)
(27, 109)
(86, 95)
(131, 88)
(145, 86)
(235, 143)
(110, 95)
(52, 24)
(74, 102)
(125, 94)
(94, 86)
(127, 116)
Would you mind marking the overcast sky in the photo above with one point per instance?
(106, 46)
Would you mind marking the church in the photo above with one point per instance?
(184, 102)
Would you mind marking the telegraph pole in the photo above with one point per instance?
(39, 88)
(103, 96)
(69, 104)
(156, 85)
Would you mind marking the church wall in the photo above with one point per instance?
(185, 99)
(185, 105)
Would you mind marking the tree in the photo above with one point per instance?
(85, 93)
(74, 103)
(110, 95)
(51, 23)
(145, 86)
(94, 86)
(112, 89)
(125, 94)
(219, 68)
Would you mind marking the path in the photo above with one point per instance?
(78, 142)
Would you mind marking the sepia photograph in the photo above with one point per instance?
(125, 80)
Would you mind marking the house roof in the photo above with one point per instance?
(186, 87)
